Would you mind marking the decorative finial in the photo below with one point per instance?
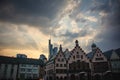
(76, 42)
(60, 47)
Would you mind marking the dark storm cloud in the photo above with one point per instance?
(33, 12)
(110, 30)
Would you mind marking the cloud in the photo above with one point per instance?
(11, 37)
(109, 13)
(83, 18)
(28, 24)
(38, 13)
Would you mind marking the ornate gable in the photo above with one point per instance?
(98, 56)
(77, 54)
(60, 60)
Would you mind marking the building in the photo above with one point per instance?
(52, 50)
(50, 47)
(113, 57)
(42, 68)
(68, 65)
(55, 49)
(8, 68)
(56, 67)
(43, 58)
(21, 56)
(60, 65)
(78, 64)
(19, 68)
(99, 63)
(29, 68)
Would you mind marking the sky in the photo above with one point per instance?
(27, 25)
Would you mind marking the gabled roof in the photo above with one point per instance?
(13, 60)
(108, 54)
(118, 51)
(91, 54)
(53, 57)
(49, 62)
(67, 53)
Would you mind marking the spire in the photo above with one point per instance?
(76, 42)
(60, 47)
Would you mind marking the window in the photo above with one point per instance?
(35, 70)
(34, 75)
(29, 65)
(77, 52)
(22, 75)
(99, 58)
(22, 69)
(97, 54)
(5, 70)
(78, 60)
(35, 65)
(60, 65)
(29, 75)
(62, 59)
(57, 65)
(81, 56)
(0, 66)
(29, 70)
(77, 56)
(60, 55)
(58, 59)
(23, 65)
(73, 57)
(12, 69)
(64, 65)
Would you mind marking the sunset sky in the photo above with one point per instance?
(26, 25)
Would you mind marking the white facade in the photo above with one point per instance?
(78, 63)
(60, 65)
(99, 62)
(98, 56)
